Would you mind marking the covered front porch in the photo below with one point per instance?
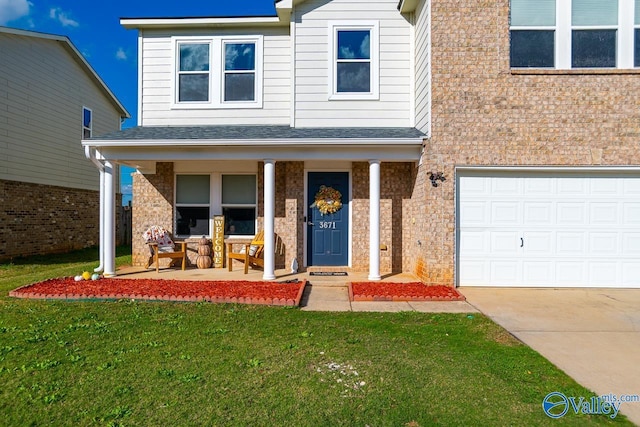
(378, 165)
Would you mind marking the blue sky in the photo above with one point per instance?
(94, 28)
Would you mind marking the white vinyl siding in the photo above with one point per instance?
(423, 67)
(313, 106)
(157, 76)
(43, 91)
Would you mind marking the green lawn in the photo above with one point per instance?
(178, 364)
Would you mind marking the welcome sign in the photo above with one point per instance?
(218, 241)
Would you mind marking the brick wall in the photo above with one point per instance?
(41, 219)
(485, 114)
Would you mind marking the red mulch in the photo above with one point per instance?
(415, 291)
(241, 292)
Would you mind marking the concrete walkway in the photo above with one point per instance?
(591, 334)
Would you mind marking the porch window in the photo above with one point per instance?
(239, 203)
(192, 205)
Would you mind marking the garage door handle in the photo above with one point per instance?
(521, 242)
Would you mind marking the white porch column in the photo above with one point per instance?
(269, 219)
(374, 219)
(109, 216)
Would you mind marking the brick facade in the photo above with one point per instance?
(43, 219)
(483, 113)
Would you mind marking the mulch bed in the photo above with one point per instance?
(414, 291)
(236, 292)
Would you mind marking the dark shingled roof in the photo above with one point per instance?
(164, 133)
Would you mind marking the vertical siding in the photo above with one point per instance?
(42, 92)
(157, 78)
(313, 108)
(423, 67)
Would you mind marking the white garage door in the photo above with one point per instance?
(553, 230)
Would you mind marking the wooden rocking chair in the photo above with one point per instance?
(161, 246)
(251, 253)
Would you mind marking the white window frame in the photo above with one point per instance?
(217, 72)
(178, 73)
(374, 28)
(564, 28)
(215, 204)
(87, 128)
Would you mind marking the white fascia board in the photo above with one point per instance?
(200, 22)
(293, 142)
(407, 6)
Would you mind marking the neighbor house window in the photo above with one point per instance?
(239, 202)
(87, 123)
(566, 34)
(193, 195)
(239, 72)
(636, 35)
(218, 72)
(354, 65)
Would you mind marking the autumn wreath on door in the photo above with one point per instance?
(328, 200)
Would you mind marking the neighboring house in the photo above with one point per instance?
(50, 99)
(473, 143)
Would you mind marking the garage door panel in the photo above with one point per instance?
(549, 230)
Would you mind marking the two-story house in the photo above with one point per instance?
(50, 99)
(472, 143)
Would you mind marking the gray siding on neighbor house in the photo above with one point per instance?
(42, 91)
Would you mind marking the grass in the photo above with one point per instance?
(135, 363)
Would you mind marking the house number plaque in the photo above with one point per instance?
(328, 225)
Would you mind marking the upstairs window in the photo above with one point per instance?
(354, 68)
(239, 72)
(218, 72)
(565, 34)
(193, 72)
(87, 123)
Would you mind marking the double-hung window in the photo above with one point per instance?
(200, 197)
(87, 123)
(354, 61)
(574, 34)
(218, 72)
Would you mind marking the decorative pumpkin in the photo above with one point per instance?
(204, 253)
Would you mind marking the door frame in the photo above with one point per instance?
(350, 216)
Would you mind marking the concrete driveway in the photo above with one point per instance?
(591, 334)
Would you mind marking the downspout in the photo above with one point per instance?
(91, 155)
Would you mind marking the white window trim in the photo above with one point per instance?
(215, 201)
(563, 33)
(374, 28)
(90, 127)
(216, 72)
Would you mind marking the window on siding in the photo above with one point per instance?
(239, 72)
(239, 203)
(354, 61)
(218, 72)
(87, 123)
(566, 34)
(193, 195)
(193, 72)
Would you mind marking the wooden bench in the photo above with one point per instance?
(251, 253)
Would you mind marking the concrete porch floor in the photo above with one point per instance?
(322, 293)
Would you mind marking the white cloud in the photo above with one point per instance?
(10, 10)
(121, 54)
(61, 16)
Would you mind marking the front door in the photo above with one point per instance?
(328, 219)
